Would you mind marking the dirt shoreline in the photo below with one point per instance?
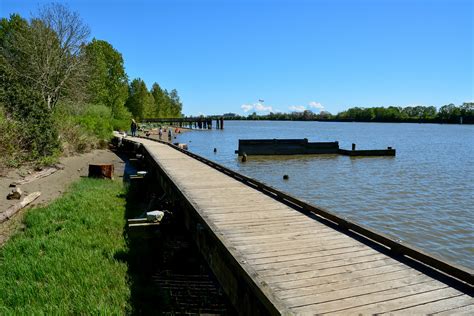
(52, 186)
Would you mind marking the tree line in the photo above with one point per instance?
(60, 92)
(449, 113)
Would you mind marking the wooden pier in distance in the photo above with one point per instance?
(274, 254)
(200, 122)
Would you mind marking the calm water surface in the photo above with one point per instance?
(423, 196)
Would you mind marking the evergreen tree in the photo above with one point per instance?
(175, 104)
(159, 100)
(140, 101)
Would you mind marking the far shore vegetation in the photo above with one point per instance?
(62, 93)
(70, 257)
(447, 114)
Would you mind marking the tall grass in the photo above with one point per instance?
(67, 259)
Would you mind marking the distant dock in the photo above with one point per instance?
(302, 147)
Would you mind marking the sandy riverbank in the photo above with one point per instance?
(53, 185)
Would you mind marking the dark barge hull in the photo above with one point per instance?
(301, 147)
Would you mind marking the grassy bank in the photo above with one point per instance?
(67, 259)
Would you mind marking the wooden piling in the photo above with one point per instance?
(101, 171)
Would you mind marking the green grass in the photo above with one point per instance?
(67, 259)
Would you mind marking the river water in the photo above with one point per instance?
(424, 196)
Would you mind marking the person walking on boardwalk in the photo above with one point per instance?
(133, 127)
(160, 133)
(169, 134)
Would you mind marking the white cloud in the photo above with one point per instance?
(297, 108)
(316, 105)
(246, 107)
(259, 107)
(263, 108)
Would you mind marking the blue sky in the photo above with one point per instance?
(223, 56)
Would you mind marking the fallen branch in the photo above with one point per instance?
(12, 210)
(38, 175)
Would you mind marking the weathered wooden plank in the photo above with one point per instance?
(270, 230)
(338, 276)
(294, 224)
(248, 222)
(343, 300)
(249, 249)
(237, 208)
(236, 219)
(205, 203)
(350, 281)
(192, 184)
(237, 195)
(331, 254)
(232, 234)
(315, 264)
(461, 311)
(244, 216)
(279, 279)
(424, 303)
(278, 235)
(244, 222)
(291, 243)
(269, 254)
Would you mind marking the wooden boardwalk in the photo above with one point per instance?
(301, 264)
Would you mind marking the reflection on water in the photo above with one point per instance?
(423, 196)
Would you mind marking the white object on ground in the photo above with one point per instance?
(154, 216)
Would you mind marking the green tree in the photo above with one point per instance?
(467, 110)
(47, 54)
(23, 103)
(140, 101)
(159, 101)
(449, 113)
(108, 82)
(175, 104)
(429, 112)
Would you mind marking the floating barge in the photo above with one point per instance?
(302, 147)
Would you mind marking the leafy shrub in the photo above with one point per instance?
(97, 120)
(10, 143)
(84, 126)
(30, 127)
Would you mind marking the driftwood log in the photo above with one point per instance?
(37, 175)
(101, 171)
(12, 210)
